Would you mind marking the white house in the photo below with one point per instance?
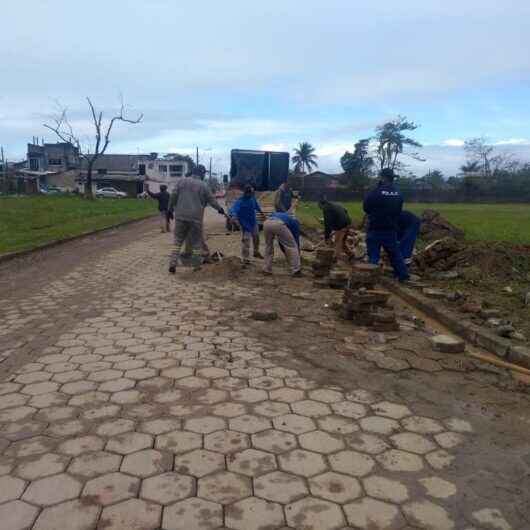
(163, 170)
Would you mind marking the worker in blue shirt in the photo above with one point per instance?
(383, 207)
(286, 229)
(407, 233)
(244, 211)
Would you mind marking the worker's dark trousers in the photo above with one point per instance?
(388, 240)
(407, 240)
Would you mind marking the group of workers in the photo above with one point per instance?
(389, 226)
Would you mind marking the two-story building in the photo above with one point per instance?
(57, 157)
(163, 170)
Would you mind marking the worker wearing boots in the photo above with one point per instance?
(188, 201)
(244, 211)
(383, 207)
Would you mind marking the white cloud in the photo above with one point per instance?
(453, 142)
(514, 141)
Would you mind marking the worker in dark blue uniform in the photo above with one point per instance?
(383, 207)
(407, 233)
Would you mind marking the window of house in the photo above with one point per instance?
(141, 169)
(176, 170)
(34, 164)
(102, 171)
(55, 161)
(162, 168)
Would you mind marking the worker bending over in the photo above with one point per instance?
(383, 206)
(407, 233)
(188, 201)
(244, 211)
(280, 225)
(336, 220)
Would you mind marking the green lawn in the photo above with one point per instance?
(481, 222)
(30, 221)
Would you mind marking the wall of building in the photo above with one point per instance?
(155, 175)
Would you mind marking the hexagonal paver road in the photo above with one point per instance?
(153, 411)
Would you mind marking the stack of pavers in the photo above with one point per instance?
(363, 304)
(324, 262)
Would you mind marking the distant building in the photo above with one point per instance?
(56, 157)
(163, 170)
(315, 181)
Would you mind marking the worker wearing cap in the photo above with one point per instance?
(336, 220)
(286, 229)
(383, 206)
(244, 210)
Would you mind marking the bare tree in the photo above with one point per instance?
(478, 150)
(63, 129)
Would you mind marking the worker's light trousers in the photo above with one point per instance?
(273, 229)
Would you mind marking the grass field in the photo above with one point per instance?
(481, 222)
(30, 221)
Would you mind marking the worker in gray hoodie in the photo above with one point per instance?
(188, 201)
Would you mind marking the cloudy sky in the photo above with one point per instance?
(242, 74)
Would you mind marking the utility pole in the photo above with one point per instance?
(210, 167)
(197, 156)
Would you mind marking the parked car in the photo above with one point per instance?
(111, 192)
(50, 190)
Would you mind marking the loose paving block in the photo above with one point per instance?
(253, 513)
(335, 487)
(294, 423)
(413, 443)
(199, 463)
(91, 465)
(438, 488)
(178, 441)
(458, 425)
(385, 489)
(42, 466)
(168, 488)
(224, 487)
(491, 518)
(440, 459)
(448, 440)
(303, 463)
(192, 513)
(448, 344)
(281, 487)
(426, 514)
(146, 463)
(370, 514)
(396, 460)
(52, 490)
(129, 442)
(226, 442)
(17, 515)
(251, 463)
(73, 515)
(134, 514)
(314, 514)
(352, 463)
(111, 488)
(11, 488)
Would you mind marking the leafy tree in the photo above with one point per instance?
(479, 151)
(358, 165)
(470, 167)
(392, 140)
(304, 158)
(435, 179)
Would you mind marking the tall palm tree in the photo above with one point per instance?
(304, 158)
